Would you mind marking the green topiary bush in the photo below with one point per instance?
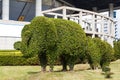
(39, 38)
(93, 53)
(17, 45)
(117, 49)
(18, 61)
(107, 72)
(70, 43)
(106, 52)
(16, 58)
(51, 39)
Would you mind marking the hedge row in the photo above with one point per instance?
(18, 61)
(9, 50)
(16, 58)
(10, 53)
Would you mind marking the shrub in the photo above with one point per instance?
(117, 49)
(106, 52)
(18, 61)
(15, 58)
(70, 43)
(53, 38)
(93, 53)
(17, 45)
(107, 73)
(39, 38)
(10, 53)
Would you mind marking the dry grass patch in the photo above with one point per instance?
(81, 72)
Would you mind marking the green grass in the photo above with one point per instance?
(80, 73)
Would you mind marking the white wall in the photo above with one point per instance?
(10, 30)
(6, 43)
(118, 23)
(9, 33)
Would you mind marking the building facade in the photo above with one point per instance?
(14, 14)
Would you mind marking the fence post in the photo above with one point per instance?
(80, 17)
(93, 25)
(64, 13)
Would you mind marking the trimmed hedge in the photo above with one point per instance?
(16, 58)
(18, 61)
(106, 52)
(117, 49)
(52, 39)
(10, 53)
(93, 53)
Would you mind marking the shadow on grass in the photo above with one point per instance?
(82, 69)
(72, 70)
(37, 72)
(107, 74)
(33, 72)
(57, 71)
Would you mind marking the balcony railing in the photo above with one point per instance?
(93, 23)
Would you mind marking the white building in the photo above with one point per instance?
(14, 14)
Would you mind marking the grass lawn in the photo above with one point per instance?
(80, 73)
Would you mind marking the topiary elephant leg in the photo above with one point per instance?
(64, 63)
(43, 61)
(43, 68)
(71, 67)
(71, 62)
(51, 64)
